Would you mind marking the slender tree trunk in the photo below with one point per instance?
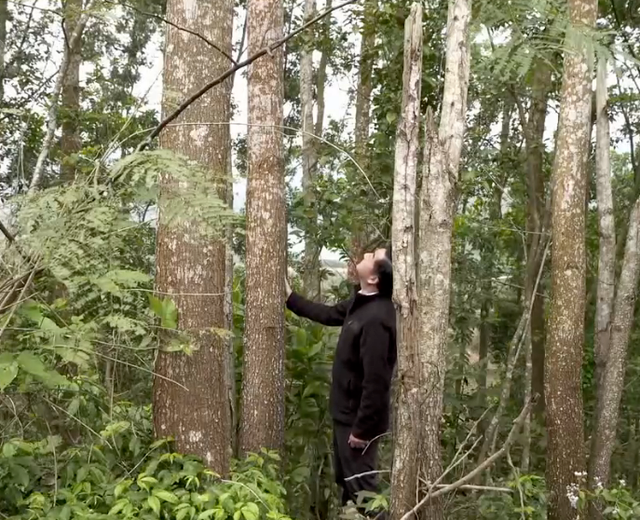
(613, 321)
(4, 15)
(514, 349)
(606, 226)
(608, 407)
(360, 237)
(189, 262)
(443, 150)
(70, 142)
(534, 142)
(228, 318)
(483, 351)
(534, 341)
(321, 76)
(54, 101)
(404, 233)
(563, 360)
(495, 214)
(310, 272)
(263, 386)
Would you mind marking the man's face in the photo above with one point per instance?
(365, 269)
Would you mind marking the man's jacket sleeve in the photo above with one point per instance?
(331, 315)
(374, 353)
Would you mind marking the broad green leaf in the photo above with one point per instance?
(8, 372)
(165, 495)
(166, 310)
(9, 449)
(154, 504)
(121, 487)
(118, 506)
(32, 364)
(250, 511)
(206, 515)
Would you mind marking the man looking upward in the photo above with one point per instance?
(362, 369)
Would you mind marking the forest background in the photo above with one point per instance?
(164, 165)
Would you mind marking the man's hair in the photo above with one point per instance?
(384, 272)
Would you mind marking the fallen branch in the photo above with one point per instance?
(266, 50)
(480, 468)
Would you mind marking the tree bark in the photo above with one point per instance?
(606, 226)
(263, 385)
(4, 15)
(310, 271)
(534, 143)
(52, 113)
(70, 141)
(610, 392)
(191, 267)
(563, 361)
(360, 237)
(443, 150)
(404, 232)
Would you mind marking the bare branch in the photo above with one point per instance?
(480, 468)
(179, 27)
(266, 50)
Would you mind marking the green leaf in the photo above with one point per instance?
(118, 506)
(33, 365)
(166, 310)
(250, 511)
(391, 117)
(8, 372)
(20, 475)
(120, 488)
(9, 449)
(165, 495)
(154, 504)
(206, 515)
(188, 510)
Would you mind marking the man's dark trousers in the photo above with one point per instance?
(350, 461)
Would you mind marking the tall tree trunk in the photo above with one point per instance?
(54, 100)
(360, 237)
(488, 253)
(534, 143)
(613, 321)
(70, 142)
(443, 150)
(403, 235)
(228, 317)
(534, 342)
(606, 226)
(187, 261)
(321, 76)
(4, 15)
(263, 385)
(310, 271)
(563, 360)
(610, 391)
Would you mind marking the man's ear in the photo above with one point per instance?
(373, 279)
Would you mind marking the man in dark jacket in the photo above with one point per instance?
(362, 370)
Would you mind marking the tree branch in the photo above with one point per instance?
(176, 26)
(52, 116)
(480, 468)
(266, 50)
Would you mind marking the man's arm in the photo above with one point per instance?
(374, 353)
(332, 315)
